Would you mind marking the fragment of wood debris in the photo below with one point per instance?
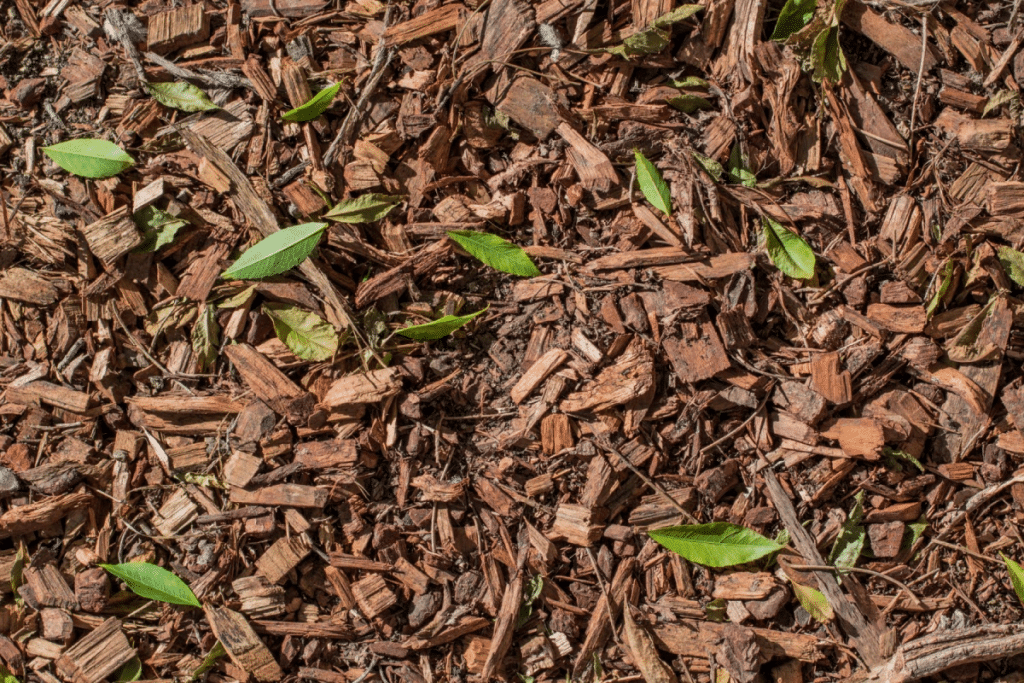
(630, 377)
(373, 596)
(281, 557)
(101, 652)
(269, 384)
(438, 20)
(22, 284)
(289, 495)
(178, 27)
(260, 598)
(292, 9)
(894, 38)
(242, 644)
(368, 387)
(23, 519)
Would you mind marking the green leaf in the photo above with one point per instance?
(787, 250)
(903, 455)
(238, 299)
(688, 104)
(159, 228)
(316, 106)
(496, 252)
(16, 573)
(678, 14)
(812, 600)
(206, 337)
(277, 253)
(210, 660)
(738, 171)
(947, 280)
(439, 328)
(305, 333)
(132, 671)
(999, 99)
(827, 59)
(850, 542)
(718, 544)
(155, 583)
(715, 610)
(651, 183)
(689, 82)
(6, 676)
(90, 158)
(1012, 262)
(1016, 576)
(183, 96)
(794, 16)
(710, 166)
(364, 209)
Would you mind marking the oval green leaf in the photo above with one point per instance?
(183, 96)
(496, 252)
(1012, 262)
(305, 333)
(316, 106)
(439, 328)
(206, 337)
(159, 228)
(132, 671)
(364, 209)
(813, 600)
(718, 544)
(155, 583)
(277, 253)
(794, 16)
(1016, 576)
(787, 250)
(651, 183)
(90, 158)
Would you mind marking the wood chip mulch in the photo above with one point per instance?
(475, 508)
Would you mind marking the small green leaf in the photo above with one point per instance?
(827, 59)
(678, 14)
(6, 676)
(812, 600)
(688, 104)
(1012, 262)
(716, 610)
(90, 158)
(496, 252)
(850, 543)
(794, 16)
(155, 583)
(897, 454)
(17, 570)
(710, 166)
(316, 106)
(439, 328)
(947, 279)
(651, 183)
(210, 660)
(718, 544)
(305, 333)
(183, 96)
(999, 99)
(364, 209)
(206, 337)
(159, 228)
(690, 82)
(1016, 576)
(132, 671)
(787, 250)
(238, 299)
(277, 253)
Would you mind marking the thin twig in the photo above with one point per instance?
(737, 430)
(920, 75)
(965, 551)
(601, 443)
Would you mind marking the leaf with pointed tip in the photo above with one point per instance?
(305, 333)
(850, 543)
(439, 328)
(181, 95)
(315, 107)
(496, 252)
(787, 250)
(90, 158)
(651, 183)
(1012, 262)
(828, 62)
(813, 600)
(364, 209)
(277, 253)
(159, 228)
(132, 671)
(1016, 576)
(718, 544)
(155, 583)
(794, 16)
(206, 337)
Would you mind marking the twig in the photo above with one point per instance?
(965, 551)
(920, 75)
(607, 595)
(601, 443)
(870, 572)
(737, 430)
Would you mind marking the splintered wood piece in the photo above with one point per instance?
(894, 38)
(296, 86)
(829, 380)
(373, 596)
(692, 638)
(242, 644)
(438, 20)
(261, 599)
(858, 436)
(185, 415)
(179, 27)
(556, 433)
(269, 384)
(82, 73)
(293, 9)
(577, 524)
(593, 167)
(411, 577)
(531, 104)
(289, 495)
(283, 556)
(698, 353)
(49, 587)
(112, 236)
(101, 652)
(504, 627)
(632, 376)
(22, 284)
(907, 319)
(322, 455)
(177, 512)
(537, 373)
(240, 468)
(744, 586)
(723, 265)
(39, 392)
(342, 586)
(23, 519)
(368, 387)
(438, 491)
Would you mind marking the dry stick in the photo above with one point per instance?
(607, 595)
(973, 503)
(967, 551)
(920, 75)
(870, 572)
(734, 432)
(601, 443)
